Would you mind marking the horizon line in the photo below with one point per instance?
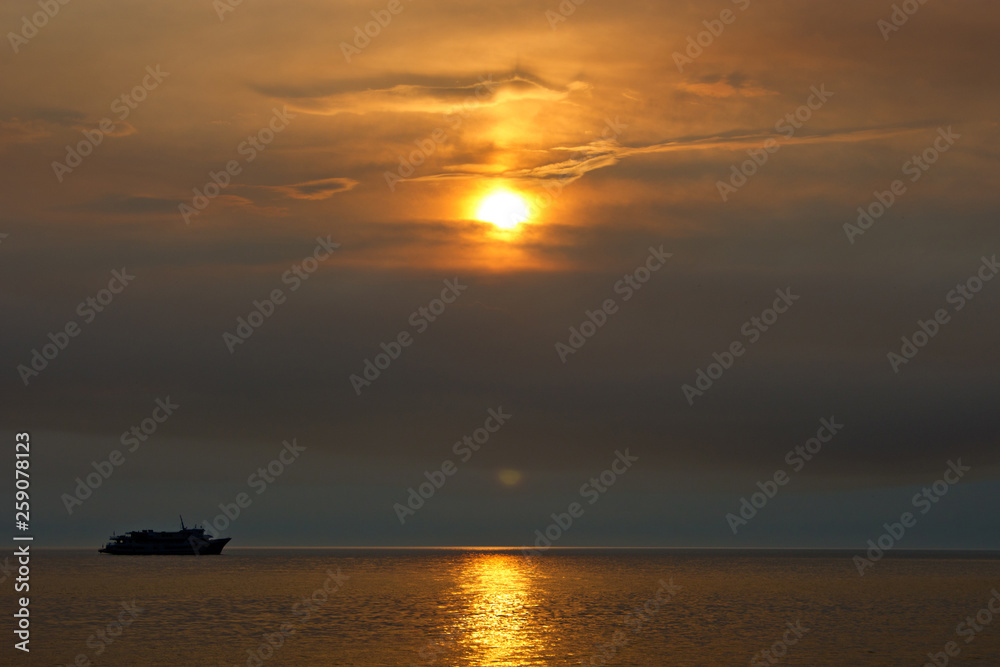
(590, 547)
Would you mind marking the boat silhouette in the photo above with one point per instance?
(184, 542)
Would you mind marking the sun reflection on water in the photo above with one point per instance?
(498, 627)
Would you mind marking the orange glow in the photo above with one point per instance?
(499, 627)
(503, 208)
(510, 477)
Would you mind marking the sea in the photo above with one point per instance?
(480, 606)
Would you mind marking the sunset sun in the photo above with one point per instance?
(504, 209)
(513, 239)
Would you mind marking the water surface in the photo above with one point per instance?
(495, 607)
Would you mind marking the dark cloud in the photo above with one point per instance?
(323, 188)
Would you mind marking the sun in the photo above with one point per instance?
(504, 209)
(510, 477)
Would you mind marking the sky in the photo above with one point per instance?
(668, 170)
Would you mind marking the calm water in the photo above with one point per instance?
(481, 607)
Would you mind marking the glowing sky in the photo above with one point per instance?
(613, 148)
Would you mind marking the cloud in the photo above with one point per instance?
(123, 204)
(126, 204)
(323, 188)
(425, 98)
(724, 89)
(248, 205)
(121, 129)
(602, 153)
(40, 124)
(17, 131)
(495, 344)
(731, 85)
(58, 116)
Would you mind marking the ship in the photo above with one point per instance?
(184, 542)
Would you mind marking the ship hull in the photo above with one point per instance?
(203, 548)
